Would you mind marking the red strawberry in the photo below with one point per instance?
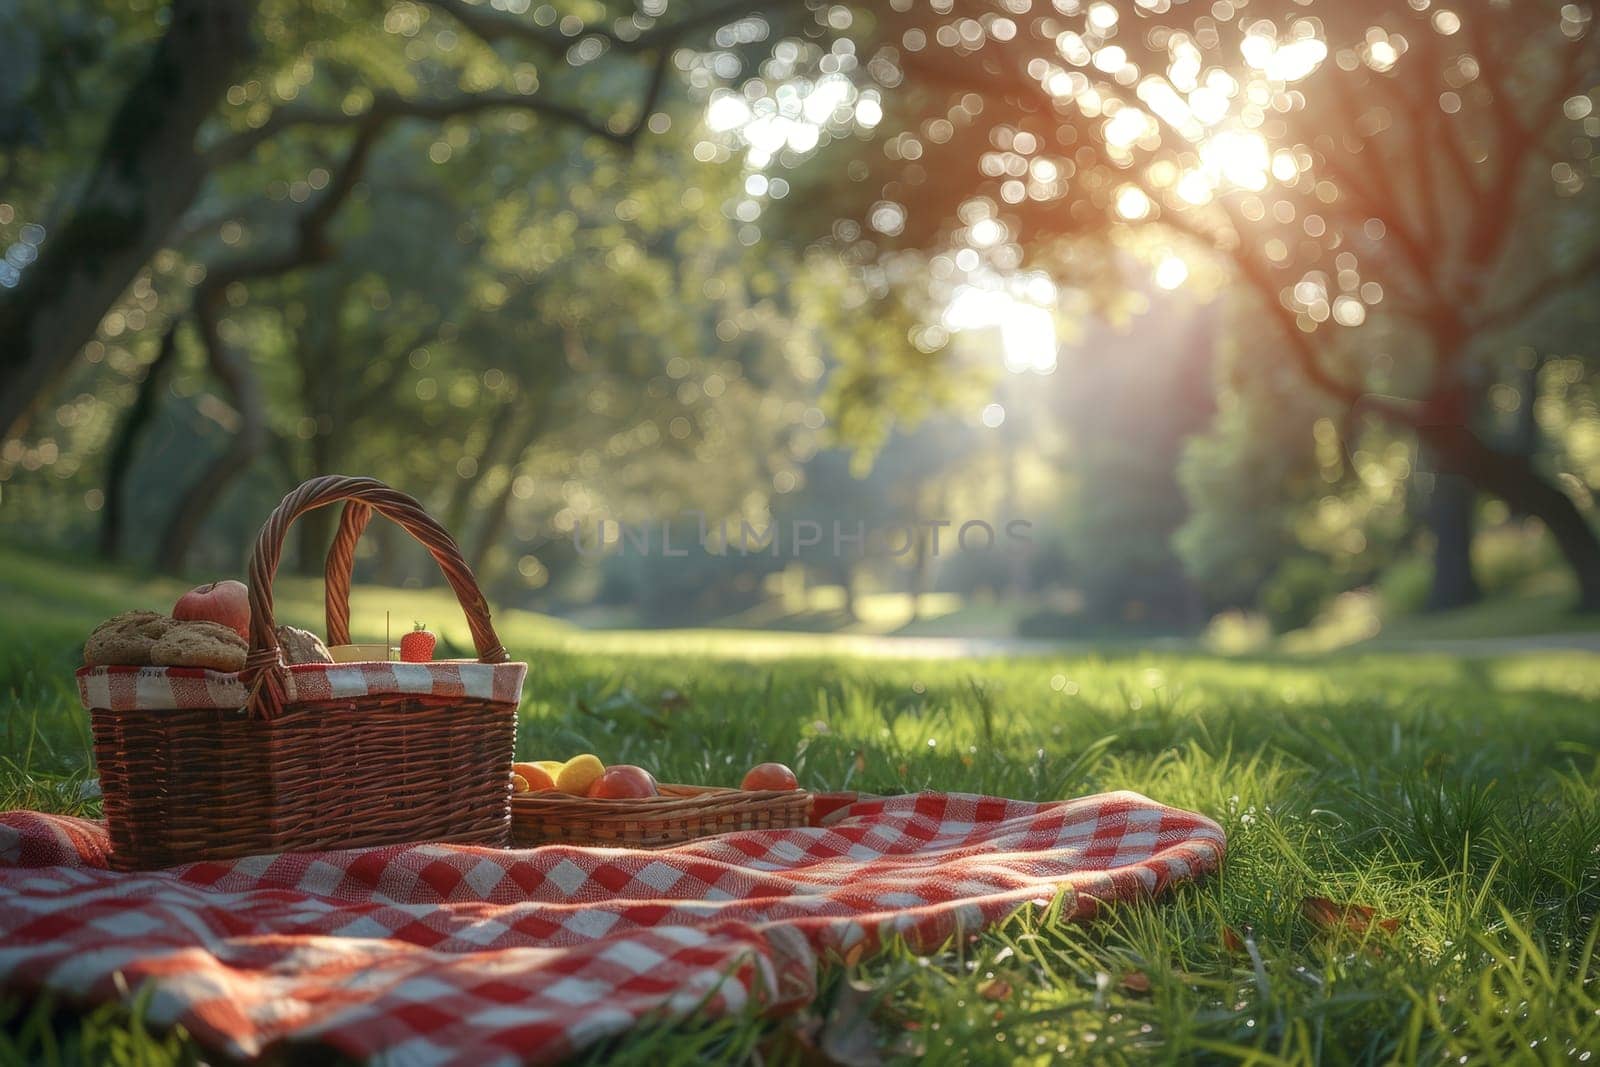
(417, 646)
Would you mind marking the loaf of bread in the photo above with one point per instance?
(302, 646)
(150, 639)
(125, 639)
(199, 644)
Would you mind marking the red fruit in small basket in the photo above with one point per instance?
(417, 646)
(624, 781)
(770, 776)
(226, 603)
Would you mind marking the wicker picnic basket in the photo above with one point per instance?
(198, 765)
(681, 813)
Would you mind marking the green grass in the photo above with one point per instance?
(1362, 620)
(1530, 615)
(1458, 796)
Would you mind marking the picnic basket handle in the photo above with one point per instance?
(264, 670)
(341, 564)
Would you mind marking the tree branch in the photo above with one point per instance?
(1306, 353)
(1546, 289)
(201, 496)
(238, 378)
(1519, 140)
(490, 26)
(389, 106)
(1422, 111)
(126, 441)
(652, 96)
(1494, 75)
(391, 368)
(1384, 201)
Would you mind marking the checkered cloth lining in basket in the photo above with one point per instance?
(431, 955)
(138, 688)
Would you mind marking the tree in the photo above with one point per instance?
(1352, 162)
(332, 80)
(1274, 509)
(162, 146)
(145, 176)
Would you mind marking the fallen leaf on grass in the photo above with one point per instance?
(1233, 941)
(1330, 916)
(995, 989)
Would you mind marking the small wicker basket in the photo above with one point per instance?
(199, 765)
(681, 813)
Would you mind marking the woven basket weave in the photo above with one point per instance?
(284, 773)
(681, 813)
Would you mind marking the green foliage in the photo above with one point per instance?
(1298, 588)
(1513, 556)
(1280, 482)
(1403, 586)
(1248, 477)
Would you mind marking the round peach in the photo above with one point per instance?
(770, 776)
(623, 781)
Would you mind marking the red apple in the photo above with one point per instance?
(226, 603)
(770, 776)
(624, 781)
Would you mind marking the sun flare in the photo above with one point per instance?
(1027, 330)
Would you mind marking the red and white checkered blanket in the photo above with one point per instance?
(432, 954)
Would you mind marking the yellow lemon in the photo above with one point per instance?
(579, 773)
(552, 767)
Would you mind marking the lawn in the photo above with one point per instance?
(1459, 797)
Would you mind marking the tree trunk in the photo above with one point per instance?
(127, 441)
(233, 370)
(1517, 481)
(316, 527)
(1450, 515)
(530, 426)
(144, 179)
(458, 509)
(324, 389)
(386, 540)
(1526, 436)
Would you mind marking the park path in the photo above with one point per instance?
(1496, 646)
(767, 644)
(892, 647)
